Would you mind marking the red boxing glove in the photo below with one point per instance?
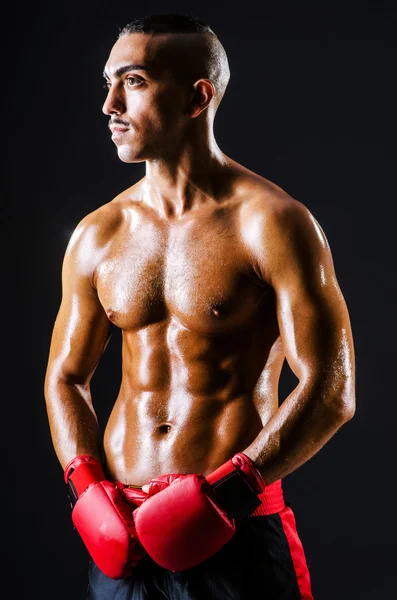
(103, 518)
(189, 519)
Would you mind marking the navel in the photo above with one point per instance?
(165, 428)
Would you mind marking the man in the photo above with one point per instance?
(215, 276)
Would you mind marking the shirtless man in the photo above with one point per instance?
(215, 276)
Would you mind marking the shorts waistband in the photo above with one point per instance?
(272, 500)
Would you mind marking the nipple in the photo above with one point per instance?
(219, 310)
(110, 313)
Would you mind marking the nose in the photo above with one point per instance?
(114, 103)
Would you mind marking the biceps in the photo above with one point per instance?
(315, 330)
(80, 335)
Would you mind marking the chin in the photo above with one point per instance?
(127, 155)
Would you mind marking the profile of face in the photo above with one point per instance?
(148, 106)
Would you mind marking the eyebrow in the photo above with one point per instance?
(121, 70)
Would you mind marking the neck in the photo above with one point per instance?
(186, 178)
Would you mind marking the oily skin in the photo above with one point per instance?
(215, 276)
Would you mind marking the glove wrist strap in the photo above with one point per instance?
(80, 473)
(234, 489)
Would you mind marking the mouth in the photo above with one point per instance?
(117, 131)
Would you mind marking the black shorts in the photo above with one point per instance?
(263, 561)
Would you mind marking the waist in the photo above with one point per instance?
(272, 498)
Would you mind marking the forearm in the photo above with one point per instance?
(305, 421)
(73, 422)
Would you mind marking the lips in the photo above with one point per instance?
(118, 129)
(118, 132)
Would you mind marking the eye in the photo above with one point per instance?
(132, 80)
(106, 85)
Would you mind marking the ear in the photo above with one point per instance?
(204, 91)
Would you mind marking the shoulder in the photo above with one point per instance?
(98, 227)
(91, 234)
(259, 198)
(277, 229)
(267, 203)
(94, 235)
(269, 209)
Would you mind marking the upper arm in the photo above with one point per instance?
(294, 257)
(81, 330)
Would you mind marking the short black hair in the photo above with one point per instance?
(207, 56)
(166, 23)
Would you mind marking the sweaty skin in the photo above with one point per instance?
(213, 288)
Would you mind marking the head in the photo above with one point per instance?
(166, 76)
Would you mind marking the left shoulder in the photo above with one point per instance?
(280, 232)
(270, 210)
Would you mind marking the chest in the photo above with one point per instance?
(195, 271)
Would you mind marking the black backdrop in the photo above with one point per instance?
(311, 105)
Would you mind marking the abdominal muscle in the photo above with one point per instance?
(194, 416)
(199, 434)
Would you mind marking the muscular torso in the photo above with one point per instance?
(201, 349)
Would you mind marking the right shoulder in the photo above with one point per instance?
(95, 233)
(96, 227)
(99, 226)
(91, 238)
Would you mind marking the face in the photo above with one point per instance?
(146, 104)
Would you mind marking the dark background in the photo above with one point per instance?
(311, 105)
